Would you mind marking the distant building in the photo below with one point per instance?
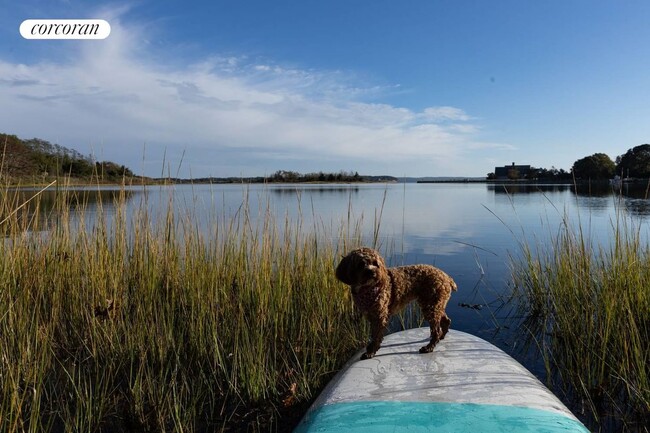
(512, 172)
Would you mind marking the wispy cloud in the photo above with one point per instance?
(445, 113)
(232, 114)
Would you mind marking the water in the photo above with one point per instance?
(470, 230)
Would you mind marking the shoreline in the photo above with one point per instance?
(140, 181)
(540, 181)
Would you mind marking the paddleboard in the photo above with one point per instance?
(465, 385)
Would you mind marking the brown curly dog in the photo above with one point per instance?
(379, 292)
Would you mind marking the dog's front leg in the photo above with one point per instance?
(377, 329)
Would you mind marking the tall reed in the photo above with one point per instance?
(587, 306)
(147, 322)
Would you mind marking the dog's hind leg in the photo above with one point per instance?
(439, 325)
(445, 322)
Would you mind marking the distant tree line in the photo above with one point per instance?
(42, 159)
(285, 176)
(294, 177)
(548, 174)
(635, 164)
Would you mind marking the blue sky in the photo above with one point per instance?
(415, 88)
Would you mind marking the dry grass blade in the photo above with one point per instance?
(25, 203)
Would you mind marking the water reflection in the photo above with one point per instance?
(314, 189)
(595, 197)
(36, 209)
(526, 188)
(600, 189)
(419, 219)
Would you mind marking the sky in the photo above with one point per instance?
(402, 88)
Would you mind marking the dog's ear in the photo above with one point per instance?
(344, 269)
(380, 261)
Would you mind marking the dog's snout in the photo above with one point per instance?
(369, 271)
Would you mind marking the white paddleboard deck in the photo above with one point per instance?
(465, 385)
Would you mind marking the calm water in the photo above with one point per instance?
(469, 230)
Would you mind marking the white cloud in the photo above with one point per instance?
(445, 113)
(231, 114)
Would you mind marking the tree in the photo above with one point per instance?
(635, 162)
(596, 166)
(76, 167)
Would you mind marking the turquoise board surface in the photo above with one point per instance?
(393, 416)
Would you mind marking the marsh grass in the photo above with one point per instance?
(587, 309)
(149, 323)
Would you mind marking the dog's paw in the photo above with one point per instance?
(426, 349)
(367, 356)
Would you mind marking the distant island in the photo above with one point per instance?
(284, 176)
